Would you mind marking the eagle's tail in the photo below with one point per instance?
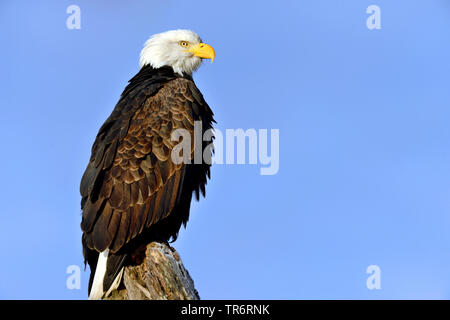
(108, 274)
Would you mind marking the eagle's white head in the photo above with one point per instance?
(182, 50)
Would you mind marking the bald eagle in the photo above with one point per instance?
(132, 192)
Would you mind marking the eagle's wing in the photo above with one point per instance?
(131, 181)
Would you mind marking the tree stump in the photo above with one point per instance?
(161, 276)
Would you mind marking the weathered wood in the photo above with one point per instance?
(161, 276)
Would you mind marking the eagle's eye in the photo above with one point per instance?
(183, 43)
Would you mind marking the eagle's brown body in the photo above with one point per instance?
(132, 192)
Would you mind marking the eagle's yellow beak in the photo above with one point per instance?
(203, 50)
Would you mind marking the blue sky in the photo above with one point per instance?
(363, 116)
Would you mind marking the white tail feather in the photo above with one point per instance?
(116, 283)
(97, 285)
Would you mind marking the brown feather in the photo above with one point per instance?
(134, 222)
(90, 213)
(143, 215)
(106, 189)
(122, 232)
(114, 223)
(176, 185)
(134, 193)
(126, 197)
(102, 238)
(132, 173)
(116, 195)
(144, 187)
(159, 206)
